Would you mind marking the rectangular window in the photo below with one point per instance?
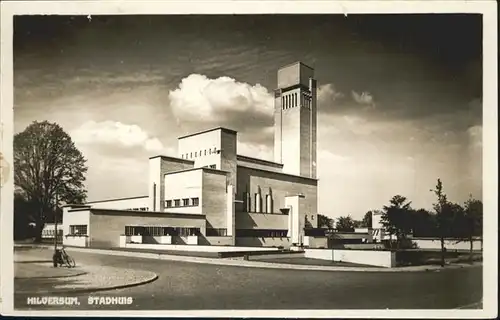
(216, 232)
(168, 203)
(80, 229)
(185, 202)
(184, 232)
(213, 166)
(261, 233)
(205, 152)
(177, 202)
(196, 154)
(195, 201)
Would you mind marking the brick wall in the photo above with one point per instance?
(214, 197)
(263, 242)
(106, 226)
(246, 220)
(280, 185)
(158, 167)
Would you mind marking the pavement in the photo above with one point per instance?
(183, 285)
(35, 275)
(272, 265)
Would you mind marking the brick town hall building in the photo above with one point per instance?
(211, 195)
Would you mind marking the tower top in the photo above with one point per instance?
(294, 74)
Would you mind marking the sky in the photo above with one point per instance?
(399, 98)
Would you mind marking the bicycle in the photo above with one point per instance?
(61, 257)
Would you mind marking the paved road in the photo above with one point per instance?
(182, 286)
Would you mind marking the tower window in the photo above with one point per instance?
(195, 201)
(205, 151)
(196, 154)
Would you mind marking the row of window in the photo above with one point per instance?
(186, 202)
(261, 233)
(201, 153)
(155, 231)
(292, 100)
(138, 209)
(257, 205)
(50, 233)
(80, 229)
(216, 232)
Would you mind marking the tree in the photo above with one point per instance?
(367, 220)
(423, 223)
(444, 216)
(345, 224)
(396, 218)
(472, 221)
(324, 221)
(48, 169)
(24, 212)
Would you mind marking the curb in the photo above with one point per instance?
(263, 265)
(94, 289)
(55, 277)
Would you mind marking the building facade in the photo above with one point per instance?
(211, 195)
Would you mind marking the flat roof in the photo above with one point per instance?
(198, 168)
(208, 130)
(115, 199)
(280, 173)
(294, 63)
(172, 158)
(261, 161)
(141, 213)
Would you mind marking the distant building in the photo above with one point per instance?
(211, 195)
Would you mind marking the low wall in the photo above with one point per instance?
(264, 242)
(449, 244)
(198, 248)
(373, 246)
(367, 257)
(316, 242)
(216, 241)
(268, 256)
(75, 241)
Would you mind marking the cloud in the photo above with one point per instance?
(328, 93)
(475, 134)
(221, 101)
(116, 134)
(364, 98)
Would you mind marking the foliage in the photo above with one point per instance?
(345, 224)
(472, 221)
(367, 220)
(325, 221)
(423, 223)
(396, 218)
(48, 166)
(444, 215)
